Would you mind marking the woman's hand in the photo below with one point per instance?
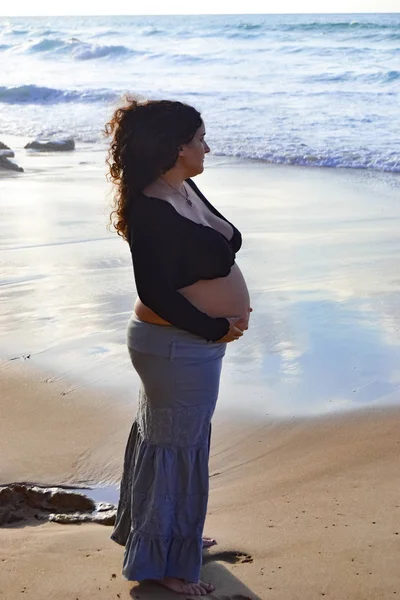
(243, 322)
(236, 328)
(234, 333)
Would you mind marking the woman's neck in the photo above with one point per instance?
(174, 178)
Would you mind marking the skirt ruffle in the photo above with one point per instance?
(162, 509)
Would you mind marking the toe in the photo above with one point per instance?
(206, 588)
(197, 590)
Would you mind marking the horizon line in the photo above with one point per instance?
(202, 14)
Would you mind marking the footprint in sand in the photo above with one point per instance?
(215, 596)
(230, 556)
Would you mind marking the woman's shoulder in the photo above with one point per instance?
(150, 207)
(149, 214)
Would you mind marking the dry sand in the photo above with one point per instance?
(302, 509)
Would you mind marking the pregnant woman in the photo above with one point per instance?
(192, 301)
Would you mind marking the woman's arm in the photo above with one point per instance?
(154, 256)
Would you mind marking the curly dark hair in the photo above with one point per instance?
(145, 144)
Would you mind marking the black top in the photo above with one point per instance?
(169, 252)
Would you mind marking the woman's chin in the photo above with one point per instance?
(195, 171)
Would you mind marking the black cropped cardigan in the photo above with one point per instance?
(169, 252)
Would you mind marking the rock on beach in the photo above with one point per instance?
(51, 146)
(23, 502)
(5, 154)
(7, 164)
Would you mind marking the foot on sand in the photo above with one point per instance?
(181, 587)
(208, 542)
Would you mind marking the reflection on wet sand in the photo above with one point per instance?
(319, 255)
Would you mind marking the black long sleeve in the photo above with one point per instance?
(155, 255)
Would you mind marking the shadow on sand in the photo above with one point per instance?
(228, 587)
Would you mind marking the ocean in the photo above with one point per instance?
(313, 90)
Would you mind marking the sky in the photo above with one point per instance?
(162, 7)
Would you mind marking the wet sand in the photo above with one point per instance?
(320, 255)
(301, 508)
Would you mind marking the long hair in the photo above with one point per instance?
(145, 141)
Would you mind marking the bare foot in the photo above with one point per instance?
(208, 542)
(181, 587)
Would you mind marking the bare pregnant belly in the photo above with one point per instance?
(223, 297)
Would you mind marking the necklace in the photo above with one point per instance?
(185, 195)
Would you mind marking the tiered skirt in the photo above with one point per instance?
(165, 482)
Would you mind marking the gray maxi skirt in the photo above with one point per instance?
(164, 486)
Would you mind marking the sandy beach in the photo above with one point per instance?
(301, 508)
(305, 453)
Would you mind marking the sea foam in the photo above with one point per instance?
(33, 94)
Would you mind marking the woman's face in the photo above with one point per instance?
(192, 154)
